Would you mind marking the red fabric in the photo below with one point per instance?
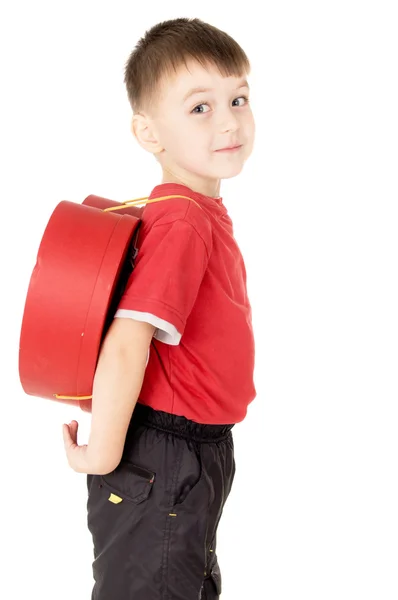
(190, 273)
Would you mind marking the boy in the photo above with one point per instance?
(175, 371)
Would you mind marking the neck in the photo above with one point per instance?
(210, 187)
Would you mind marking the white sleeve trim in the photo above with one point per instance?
(165, 332)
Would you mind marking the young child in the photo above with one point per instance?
(175, 371)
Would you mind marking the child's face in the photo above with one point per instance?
(192, 130)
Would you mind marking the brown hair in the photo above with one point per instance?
(167, 46)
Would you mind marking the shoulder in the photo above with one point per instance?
(186, 211)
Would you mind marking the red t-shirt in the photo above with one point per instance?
(189, 281)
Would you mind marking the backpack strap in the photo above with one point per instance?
(140, 201)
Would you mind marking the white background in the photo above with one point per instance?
(313, 511)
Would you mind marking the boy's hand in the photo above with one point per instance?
(76, 455)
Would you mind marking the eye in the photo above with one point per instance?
(244, 98)
(198, 106)
(206, 104)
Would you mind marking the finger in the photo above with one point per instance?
(73, 426)
(66, 433)
(69, 440)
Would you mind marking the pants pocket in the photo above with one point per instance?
(128, 482)
(212, 587)
(190, 475)
(215, 577)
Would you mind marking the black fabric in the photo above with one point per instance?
(159, 541)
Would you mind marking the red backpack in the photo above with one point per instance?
(84, 261)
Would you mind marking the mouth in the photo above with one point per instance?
(230, 148)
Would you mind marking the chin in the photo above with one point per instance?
(230, 172)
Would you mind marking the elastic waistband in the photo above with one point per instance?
(178, 425)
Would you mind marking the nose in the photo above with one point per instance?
(228, 121)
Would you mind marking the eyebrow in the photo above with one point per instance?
(199, 90)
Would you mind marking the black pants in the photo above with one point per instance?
(154, 519)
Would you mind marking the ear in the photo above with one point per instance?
(143, 131)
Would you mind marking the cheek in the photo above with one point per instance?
(187, 139)
(250, 125)
(173, 140)
(192, 139)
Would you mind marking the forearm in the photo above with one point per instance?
(117, 384)
(116, 387)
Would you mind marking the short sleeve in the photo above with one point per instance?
(168, 272)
